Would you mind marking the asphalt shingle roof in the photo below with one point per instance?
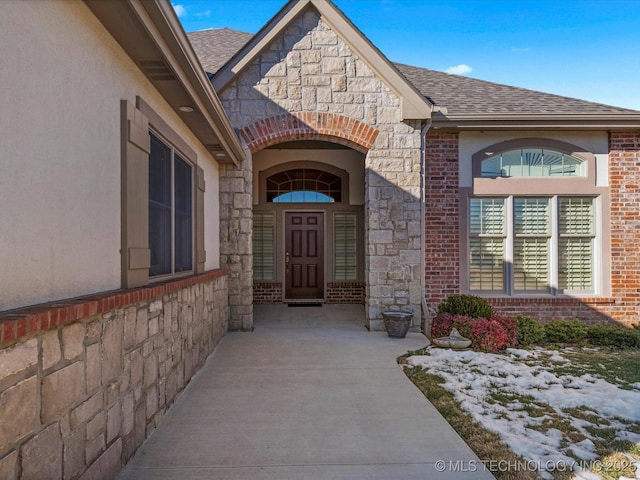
(459, 95)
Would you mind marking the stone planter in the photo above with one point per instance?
(397, 323)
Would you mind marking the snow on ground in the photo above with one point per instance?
(515, 396)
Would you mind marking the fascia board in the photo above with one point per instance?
(261, 40)
(167, 32)
(540, 121)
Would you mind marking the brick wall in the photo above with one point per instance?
(267, 292)
(624, 180)
(84, 382)
(442, 237)
(345, 292)
(442, 213)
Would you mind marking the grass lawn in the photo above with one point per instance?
(555, 407)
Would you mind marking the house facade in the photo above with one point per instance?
(417, 184)
(147, 206)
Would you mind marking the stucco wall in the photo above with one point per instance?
(62, 79)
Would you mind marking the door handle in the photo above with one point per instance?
(286, 261)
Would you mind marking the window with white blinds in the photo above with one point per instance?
(263, 246)
(520, 245)
(345, 234)
(486, 244)
(532, 230)
(575, 245)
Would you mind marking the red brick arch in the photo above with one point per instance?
(331, 127)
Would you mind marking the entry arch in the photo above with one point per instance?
(324, 126)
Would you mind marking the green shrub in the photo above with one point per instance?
(529, 331)
(565, 331)
(469, 305)
(613, 335)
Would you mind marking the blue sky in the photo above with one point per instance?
(588, 49)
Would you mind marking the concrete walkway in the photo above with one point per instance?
(310, 394)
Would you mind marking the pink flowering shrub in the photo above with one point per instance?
(489, 335)
(510, 326)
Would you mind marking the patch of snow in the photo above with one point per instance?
(473, 378)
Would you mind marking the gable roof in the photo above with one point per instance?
(412, 103)
(459, 102)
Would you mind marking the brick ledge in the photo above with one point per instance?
(21, 322)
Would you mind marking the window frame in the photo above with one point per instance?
(137, 121)
(549, 187)
(173, 212)
(552, 237)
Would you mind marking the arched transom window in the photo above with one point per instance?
(532, 162)
(304, 185)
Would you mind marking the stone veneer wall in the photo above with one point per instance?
(84, 382)
(307, 71)
(236, 242)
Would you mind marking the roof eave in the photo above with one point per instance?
(569, 121)
(155, 41)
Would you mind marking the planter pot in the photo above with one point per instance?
(397, 323)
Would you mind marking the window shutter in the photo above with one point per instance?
(135, 253)
(263, 246)
(345, 233)
(201, 254)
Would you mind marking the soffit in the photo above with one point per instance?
(151, 34)
(413, 104)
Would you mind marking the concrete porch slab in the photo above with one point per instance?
(310, 394)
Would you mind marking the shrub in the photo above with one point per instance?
(565, 331)
(469, 305)
(443, 323)
(613, 335)
(529, 331)
(489, 335)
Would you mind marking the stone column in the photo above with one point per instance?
(392, 225)
(236, 249)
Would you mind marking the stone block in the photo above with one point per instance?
(87, 410)
(41, 457)
(17, 412)
(150, 370)
(333, 65)
(94, 371)
(153, 326)
(8, 466)
(151, 401)
(136, 366)
(73, 340)
(61, 390)
(142, 325)
(18, 358)
(93, 448)
(130, 327)
(112, 349)
(73, 455)
(114, 422)
(51, 351)
(128, 405)
(96, 426)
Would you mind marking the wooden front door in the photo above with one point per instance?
(304, 255)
